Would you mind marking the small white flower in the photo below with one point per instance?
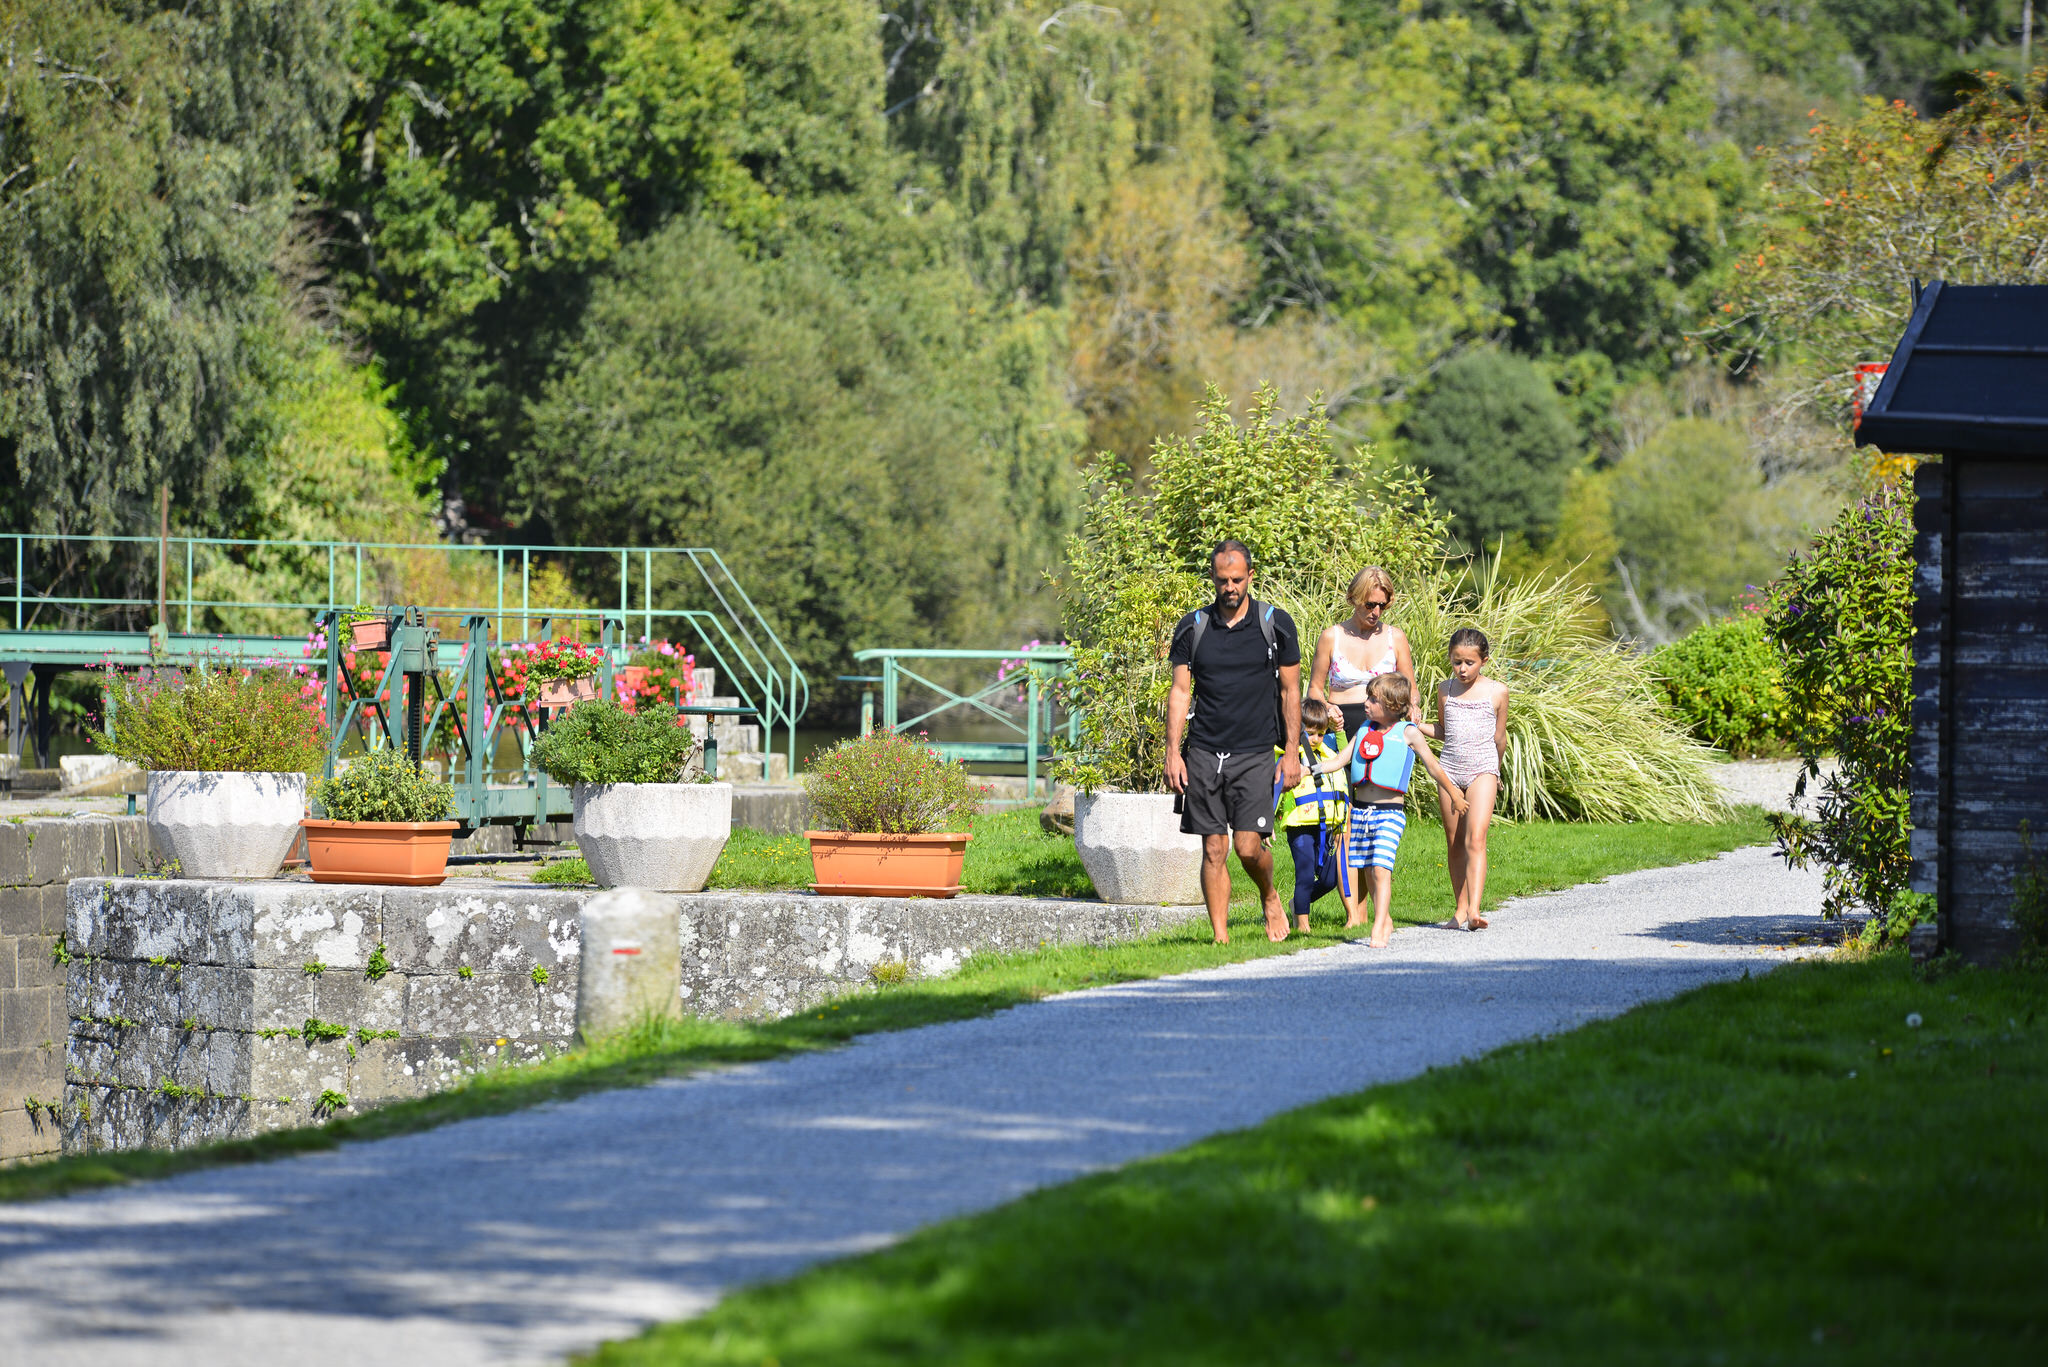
(1913, 1020)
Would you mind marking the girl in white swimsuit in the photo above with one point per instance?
(1472, 726)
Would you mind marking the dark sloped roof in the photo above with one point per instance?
(1970, 374)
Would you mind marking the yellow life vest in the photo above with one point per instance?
(1319, 799)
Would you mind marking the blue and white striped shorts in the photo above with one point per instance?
(1375, 835)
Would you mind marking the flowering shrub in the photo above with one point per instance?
(602, 742)
(219, 719)
(383, 786)
(1726, 681)
(657, 674)
(886, 784)
(548, 661)
(1843, 616)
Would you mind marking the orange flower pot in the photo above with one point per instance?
(374, 634)
(568, 692)
(848, 865)
(411, 854)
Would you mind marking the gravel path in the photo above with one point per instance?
(523, 1237)
(1767, 783)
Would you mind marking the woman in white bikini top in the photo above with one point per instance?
(1337, 675)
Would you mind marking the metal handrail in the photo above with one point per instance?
(763, 672)
(1042, 666)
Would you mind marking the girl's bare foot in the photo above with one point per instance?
(1379, 940)
(1455, 923)
(1479, 923)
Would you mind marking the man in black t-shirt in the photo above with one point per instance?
(1236, 695)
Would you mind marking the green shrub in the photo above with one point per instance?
(1726, 682)
(886, 784)
(1842, 614)
(216, 718)
(1141, 559)
(383, 785)
(601, 742)
(1588, 734)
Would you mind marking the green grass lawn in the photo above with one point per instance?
(1772, 1170)
(1534, 857)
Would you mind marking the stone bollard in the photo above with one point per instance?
(631, 966)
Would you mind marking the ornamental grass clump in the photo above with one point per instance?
(601, 742)
(383, 785)
(214, 719)
(886, 784)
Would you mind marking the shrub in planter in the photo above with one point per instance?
(227, 750)
(890, 815)
(367, 628)
(638, 822)
(384, 822)
(565, 672)
(1726, 682)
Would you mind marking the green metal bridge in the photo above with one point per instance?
(442, 657)
(1033, 671)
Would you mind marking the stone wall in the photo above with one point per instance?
(212, 1010)
(194, 1016)
(37, 858)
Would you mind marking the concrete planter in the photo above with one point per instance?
(1132, 847)
(225, 825)
(664, 836)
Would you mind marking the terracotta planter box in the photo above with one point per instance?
(372, 635)
(568, 692)
(411, 854)
(848, 865)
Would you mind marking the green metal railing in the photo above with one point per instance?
(1040, 667)
(726, 630)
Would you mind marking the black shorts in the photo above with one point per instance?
(1228, 793)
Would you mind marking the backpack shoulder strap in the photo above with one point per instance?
(1197, 622)
(1266, 628)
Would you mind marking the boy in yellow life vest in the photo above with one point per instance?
(1313, 813)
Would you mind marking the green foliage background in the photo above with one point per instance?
(853, 291)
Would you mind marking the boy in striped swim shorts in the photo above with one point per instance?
(1381, 761)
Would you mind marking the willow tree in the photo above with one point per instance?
(147, 160)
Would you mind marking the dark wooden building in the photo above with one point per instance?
(1969, 383)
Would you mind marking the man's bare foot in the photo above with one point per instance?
(1276, 919)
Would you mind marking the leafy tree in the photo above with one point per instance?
(147, 158)
(496, 151)
(1598, 200)
(882, 467)
(1698, 524)
(1497, 445)
(1853, 216)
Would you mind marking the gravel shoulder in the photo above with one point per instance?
(523, 1237)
